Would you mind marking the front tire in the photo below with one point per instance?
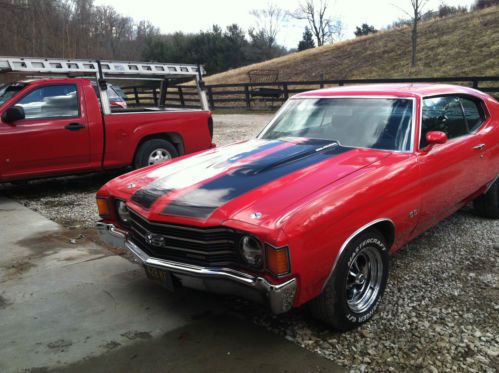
(154, 151)
(487, 205)
(356, 287)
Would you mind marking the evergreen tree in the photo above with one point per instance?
(307, 41)
(365, 29)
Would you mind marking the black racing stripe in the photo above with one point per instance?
(148, 195)
(203, 201)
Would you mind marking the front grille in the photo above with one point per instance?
(199, 246)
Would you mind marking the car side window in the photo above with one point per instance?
(443, 114)
(52, 101)
(473, 112)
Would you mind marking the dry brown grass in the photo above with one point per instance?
(455, 46)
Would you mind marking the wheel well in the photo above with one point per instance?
(387, 229)
(385, 226)
(172, 137)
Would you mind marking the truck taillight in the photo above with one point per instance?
(210, 126)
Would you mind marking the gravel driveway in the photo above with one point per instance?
(441, 307)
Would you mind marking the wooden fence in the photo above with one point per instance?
(257, 96)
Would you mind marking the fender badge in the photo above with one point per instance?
(131, 186)
(256, 215)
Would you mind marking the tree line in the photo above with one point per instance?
(80, 29)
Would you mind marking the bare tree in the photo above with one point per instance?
(415, 15)
(269, 21)
(322, 26)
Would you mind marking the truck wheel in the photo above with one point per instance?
(358, 282)
(154, 151)
(487, 205)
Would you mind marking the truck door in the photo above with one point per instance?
(54, 137)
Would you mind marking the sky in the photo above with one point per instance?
(195, 15)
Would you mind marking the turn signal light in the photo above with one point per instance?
(103, 206)
(277, 260)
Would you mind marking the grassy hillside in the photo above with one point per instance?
(459, 45)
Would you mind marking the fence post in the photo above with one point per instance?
(475, 83)
(210, 97)
(155, 96)
(181, 95)
(322, 80)
(136, 94)
(247, 97)
(285, 91)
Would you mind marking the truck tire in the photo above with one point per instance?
(154, 151)
(487, 205)
(355, 289)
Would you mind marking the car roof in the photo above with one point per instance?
(397, 90)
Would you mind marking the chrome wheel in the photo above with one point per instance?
(365, 277)
(159, 155)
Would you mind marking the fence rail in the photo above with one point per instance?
(255, 96)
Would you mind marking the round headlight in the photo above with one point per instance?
(123, 212)
(252, 250)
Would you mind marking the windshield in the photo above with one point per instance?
(378, 123)
(8, 91)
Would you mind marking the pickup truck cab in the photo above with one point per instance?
(56, 126)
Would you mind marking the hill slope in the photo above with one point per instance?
(461, 45)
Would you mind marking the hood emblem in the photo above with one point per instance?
(131, 186)
(256, 215)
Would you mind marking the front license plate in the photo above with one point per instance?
(163, 277)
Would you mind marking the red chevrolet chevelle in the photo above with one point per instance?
(310, 210)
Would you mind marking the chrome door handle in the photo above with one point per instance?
(479, 147)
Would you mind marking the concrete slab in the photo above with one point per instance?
(220, 343)
(64, 303)
(60, 303)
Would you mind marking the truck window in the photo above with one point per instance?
(8, 91)
(52, 101)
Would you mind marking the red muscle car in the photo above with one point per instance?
(310, 210)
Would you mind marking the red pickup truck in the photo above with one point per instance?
(52, 127)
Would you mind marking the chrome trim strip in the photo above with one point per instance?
(348, 240)
(169, 265)
(491, 183)
(117, 113)
(111, 235)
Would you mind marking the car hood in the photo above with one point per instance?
(243, 181)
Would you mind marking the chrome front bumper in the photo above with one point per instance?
(280, 297)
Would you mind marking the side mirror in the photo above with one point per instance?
(436, 137)
(13, 114)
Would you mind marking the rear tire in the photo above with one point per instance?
(487, 205)
(154, 151)
(356, 287)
